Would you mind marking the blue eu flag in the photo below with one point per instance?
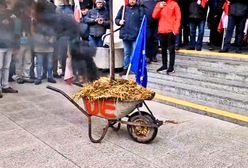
(138, 63)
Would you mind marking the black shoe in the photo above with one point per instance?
(56, 76)
(51, 80)
(169, 71)
(1, 95)
(20, 81)
(162, 68)
(223, 51)
(177, 48)
(190, 48)
(9, 90)
(28, 80)
(154, 59)
(198, 49)
(37, 82)
(124, 72)
(238, 50)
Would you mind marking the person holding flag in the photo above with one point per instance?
(129, 19)
(238, 12)
(169, 18)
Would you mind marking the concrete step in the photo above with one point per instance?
(201, 81)
(213, 72)
(217, 97)
(214, 98)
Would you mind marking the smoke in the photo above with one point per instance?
(49, 23)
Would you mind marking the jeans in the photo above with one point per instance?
(151, 43)
(194, 24)
(183, 34)
(23, 62)
(61, 53)
(167, 42)
(128, 50)
(233, 21)
(96, 41)
(40, 57)
(5, 59)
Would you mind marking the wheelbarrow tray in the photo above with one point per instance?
(111, 109)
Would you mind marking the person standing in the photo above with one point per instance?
(6, 45)
(98, 21)
(238, 14)
(197, 19)
(130, 24)
(214, 16)
(151, 31)
(169, 18)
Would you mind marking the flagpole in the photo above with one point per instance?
(128, 71)
(112, 49)
(223, 38)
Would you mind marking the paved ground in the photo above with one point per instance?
(40, 128)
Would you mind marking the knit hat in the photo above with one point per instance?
(100, 1)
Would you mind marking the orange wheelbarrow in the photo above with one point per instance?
(142, 126)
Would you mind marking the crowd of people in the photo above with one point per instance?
(34, 44)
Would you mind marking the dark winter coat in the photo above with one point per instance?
(239, 8)
(147, 6)
(96, 29)
(197, 11)
(133, 17)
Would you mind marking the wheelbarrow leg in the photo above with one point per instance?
(105, 129)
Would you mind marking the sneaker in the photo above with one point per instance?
(9, 90)
(37, 82)
(20, 81)
(51, 80)
(162, 68)
(170, 71)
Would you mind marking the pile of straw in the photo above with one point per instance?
(121, 89)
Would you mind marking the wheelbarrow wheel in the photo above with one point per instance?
(142, 134)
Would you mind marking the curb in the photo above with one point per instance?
(201, 109)
(212, 53)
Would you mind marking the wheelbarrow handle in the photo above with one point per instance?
(69, 98)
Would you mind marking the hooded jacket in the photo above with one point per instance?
(169, 17)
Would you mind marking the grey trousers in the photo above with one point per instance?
(5, 59)
(23, 62)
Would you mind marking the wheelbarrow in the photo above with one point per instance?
(142, 126)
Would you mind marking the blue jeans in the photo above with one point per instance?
(5, 59)
(194, 24)
(128, 50)
(96, 41)
(40, 57)
(233, 21)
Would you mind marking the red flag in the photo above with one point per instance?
(224, 18)
(77, 11)
(204, 3)
(126, 2)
